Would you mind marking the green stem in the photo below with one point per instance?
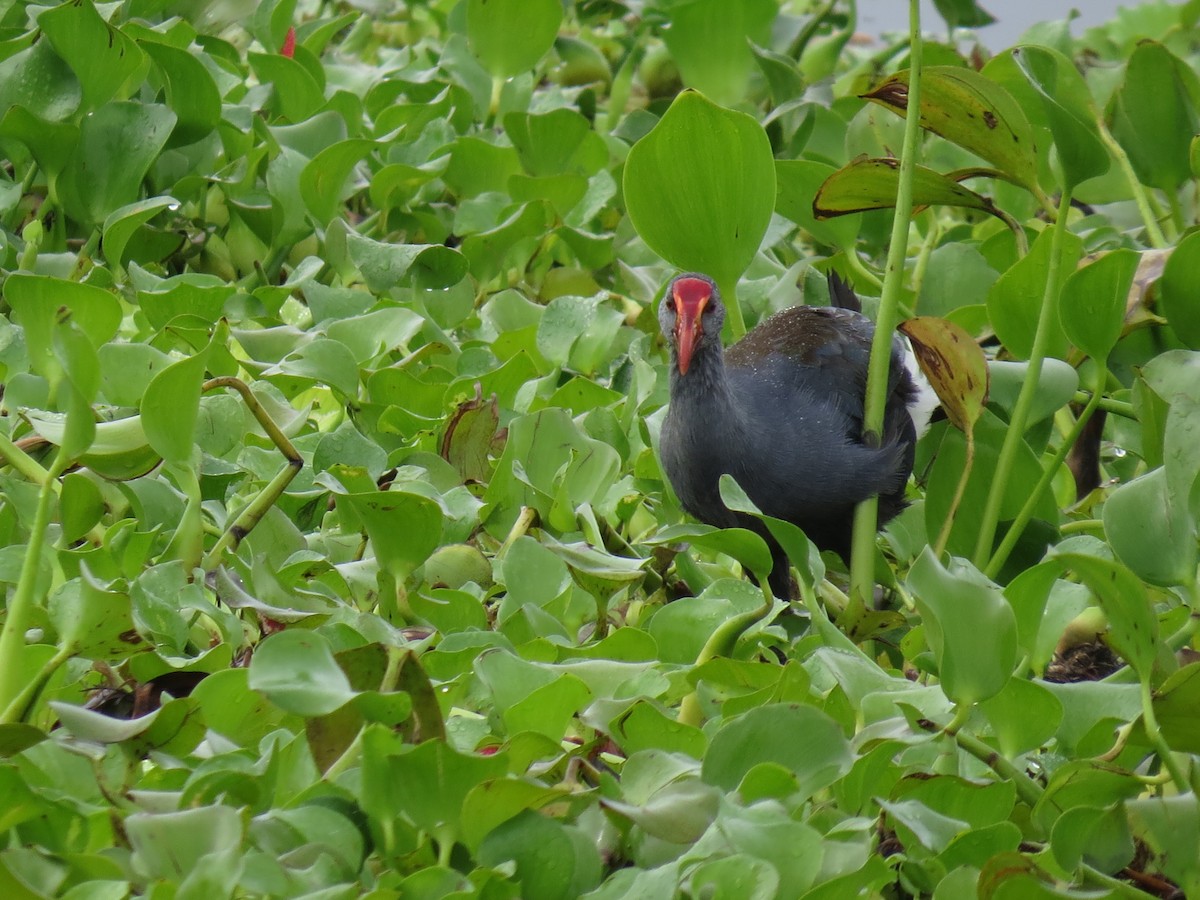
(735, 320)
(494, 103)
(1176, 220)
(12, 218)
(22, 461)
(931, 240)
(1118, 407)
(1115, 886)
(959, 492)
(809, 31)
(1027, 789)
(1083, 526)
(22, 705)
(1153, 233)
(1015, 434)
(862, 556)
(1150, 722)
(86, 252)
(21, 605)
(233, 536)
(962, 712)
(270, 494)
(860, 270)
(520, 527)
(1048, 472)
(721, 643)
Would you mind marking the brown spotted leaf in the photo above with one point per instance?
(871, 184)
(970, 110)
(469, 437)
(954, 365)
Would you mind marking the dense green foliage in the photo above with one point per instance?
(337, 556)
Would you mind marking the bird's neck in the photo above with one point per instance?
(705, 387)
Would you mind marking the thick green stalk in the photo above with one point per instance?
(737, 323)
(862, 557)
(20, 607)
(1020, 414)
(22, 461)
(1018, 526)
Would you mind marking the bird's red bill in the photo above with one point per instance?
(691, 295)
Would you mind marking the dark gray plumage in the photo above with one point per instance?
(782, 412)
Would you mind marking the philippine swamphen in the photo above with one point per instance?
(782, 412)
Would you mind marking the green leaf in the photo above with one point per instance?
(172, 845)
(1151, 530)
(955, 366)
(970, 110)
(37, 299)
(742, 544)
(51, 143)
(1024, 716)
(191, 92)
(297, 95)
(963, 13)
(104, 59)
(37, 78)
(1068, 103)
(801, 738)
(1178, 290)
(864, 184)
(121, 224)
(385, 265)
(1092, 304)
(970, 628)
(510, 36)
(1132, 624)
(700, 188)
(797, 182)
(324, 179)
(1181, 456)
(404, 528)
(1098, 837)
(170, 406)
(710, 41)
(77, 390)
(556, 143)
(1016, 297)
(1154, 116)
(1174, 704)
(117, 145)
(296, 671)
(1171, 828)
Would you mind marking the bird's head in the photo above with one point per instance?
(691, 315)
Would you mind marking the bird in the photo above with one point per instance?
(782, 412)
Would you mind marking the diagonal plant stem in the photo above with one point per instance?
(944, 535)
(22, 461)
(1020, 415)
(866, 515)
(1154, 233)
(721, 643)
(1018, 526)
(270, 494)
(21, 605)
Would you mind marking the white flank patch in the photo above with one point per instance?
(921, 409)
